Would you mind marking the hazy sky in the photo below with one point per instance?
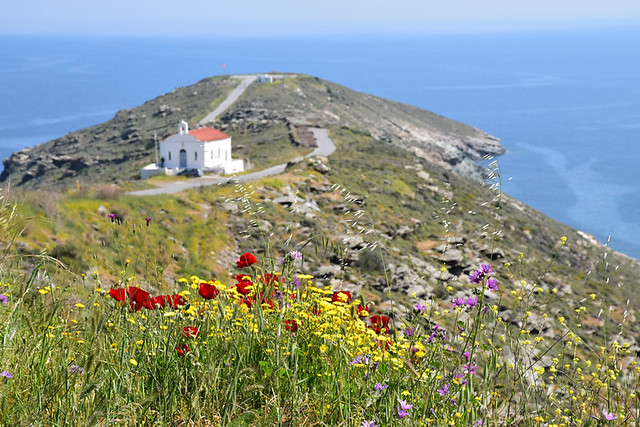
(281, 17)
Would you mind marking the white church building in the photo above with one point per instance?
(206, 149)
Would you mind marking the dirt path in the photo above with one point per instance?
(325, 148)
(245, 81)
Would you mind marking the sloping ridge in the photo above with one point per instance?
(115, 150)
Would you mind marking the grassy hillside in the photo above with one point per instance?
(400, 235)
(404, 292)
(376, 222)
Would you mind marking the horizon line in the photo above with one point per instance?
(363, 31)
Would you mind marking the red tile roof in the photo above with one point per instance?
(208, 134)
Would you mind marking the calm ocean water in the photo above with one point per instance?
(565, 104)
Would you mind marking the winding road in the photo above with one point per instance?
(325, 148)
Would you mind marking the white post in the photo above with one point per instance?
(155, 139)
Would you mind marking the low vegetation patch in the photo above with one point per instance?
(277, 347)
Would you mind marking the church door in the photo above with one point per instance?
(183, 158)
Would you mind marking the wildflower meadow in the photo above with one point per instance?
(275, 346)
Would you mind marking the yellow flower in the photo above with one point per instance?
(134, 362)
(80, 305)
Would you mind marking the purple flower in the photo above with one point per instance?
(296, 283)
(148, 220)
(457, 302)
(3, 298)
(419, 307)
(291, 256)
(380, 387)
(485, 269)
(404, 405)
(475, 277)
(608, 416)
(477, 423)
(402, 413)
(460, 376)
(375, 366)
(482, 272)
(75, 369)
(492, 284)
(471, 302)
(403, 408)
(469, 368)
(443, 390)
(360, 360)
(466, 355)
(6, 374)
(409, 331)
(371, 423)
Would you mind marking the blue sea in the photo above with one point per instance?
(566, 104)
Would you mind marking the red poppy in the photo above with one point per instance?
(245, 260)
(269, 278)
(247, 301)
(137, 295)
(380, 323)
(190, 332)
(342, 296)
(243, 287)
(157, 302)
(362, 311)
(117, 294)
(269, 304)
(148, 304)
(182, 350)
(175, 300)
(208, 291)
(134, 306)
(291, 325)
